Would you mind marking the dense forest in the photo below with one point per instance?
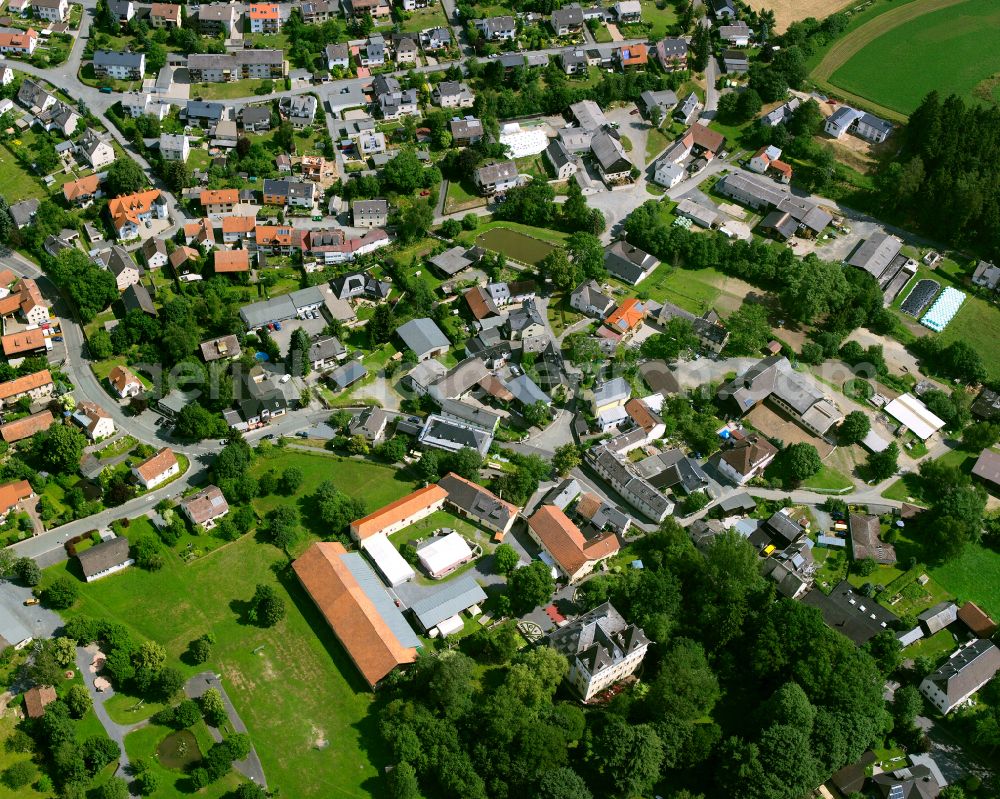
(741, 695)
(948, 161)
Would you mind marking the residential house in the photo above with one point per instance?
(370, 424)
(664, 100)
(120, 264)
(130, 211)
(782, 114)
(105, 559)
(218, 19)
(22, 213)
(201, 233)
(967, 670)
(497, 29)
(668, 174)
(25, 299)
(94, 420)
(527, 325)
(154, 252)
(372, 54)
(12, 494)
(326, 352)
(33, 97)
(472, 501)
(626, 319)
(19, 42)
(723, 9)
(370, 213)
(567, 20)
(568, 551)
(82, 192)
(222, 348)
(496, 178)
(735, 61)
(627, 11)
(157, 469)
(218, 201)
(318, 11)
(588, 298)
(406, 50)
(424, 338)
(37, 698)
(36, 386)
(165, 15)
(737, 34)
(399, 514)
(627, 263)
(120, 66)
(289, 192)
(747, 459)
(687, 111)
(466, 131)
(610, 395)
(124, 382)
(672, 54)
(206, 507)
(50, 10)
(601, 647)
(338, 56)
(866, 541)
(59, 117)
(435, 38)
(264, 18)
(392, 100)
(453, 94)
(237, 65)
(299, 109)
(635, 56)
(136, 298)
(986, 275)
(231, 261)
(563, 162)
(809, 219)
(174, 147)
(574, 60)
(205, 114)
(612, 160)
(255, 118)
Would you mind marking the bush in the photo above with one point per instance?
(61, 594)
(19, 775)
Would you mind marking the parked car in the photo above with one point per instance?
(31, 601)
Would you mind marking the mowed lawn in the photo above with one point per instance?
(299, 694)
(15, 183)
(974, 576)
(950, 50)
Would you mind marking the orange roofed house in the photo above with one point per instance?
(627, 318)
(359, 611)
(18, 346)
(264, 18)
(11, 494)
(230, 261)
(200, 233)
(571, 553)
(19, 42)
(165, 15)
(399, 514)
(83, 191)
(124, 382)
(157, 469)
(35, 386)
(635, 56)
(237, 228)
(219, 201)
(131, 211)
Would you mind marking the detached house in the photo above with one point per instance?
(370, 213)
(51, 10)
(967, 670)
(206, 507)
(264, 18)
(130, 211)
(453, 94)
(157, 469)
(629, 264)
(496, 178)
(747, 459)
(567, 20)
(589, 300)
(94, 420)
(94, 150)
(120, 264)
(124, 382)
(497, 29)
(165, 15)
(567, 549)
(18, 42)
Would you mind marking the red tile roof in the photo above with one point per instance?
(23, 385)
(157, 464)
(26, 427)
(395, 512)
(12, 493)
(359, 627)
(565, 543)
(25, 341)
(232, 261)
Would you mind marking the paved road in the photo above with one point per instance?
(198, 685)
(116, 732)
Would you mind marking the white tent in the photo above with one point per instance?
(908, 410)
(444, 554)
(449, 626)
(390, 563)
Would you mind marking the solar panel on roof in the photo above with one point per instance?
(896, 792)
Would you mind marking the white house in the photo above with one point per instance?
(94, 420)
(105, 559)
(668, 173)
(124, 382)
(52, 10)
(967, 670)
(157, 469)
(174, 147)
(94, 150)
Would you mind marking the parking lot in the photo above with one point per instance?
(313, 328)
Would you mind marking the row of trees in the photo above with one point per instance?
(744, 695)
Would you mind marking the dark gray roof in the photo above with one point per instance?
(103, 556)
(349, 373)
(850, 613)
(109, 58)
(598, 639)
(136, 297)
(626, 262)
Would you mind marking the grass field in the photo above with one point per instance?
(173, 783)
(975, 575)
(15, 183)
(462, 197)
(422, 18)
(950, 49)
(694, 290)
(662, 19)
(301, 697)
(656, 143)
(828, 479)
(227, 91)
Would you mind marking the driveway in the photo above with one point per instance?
(198, 685)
